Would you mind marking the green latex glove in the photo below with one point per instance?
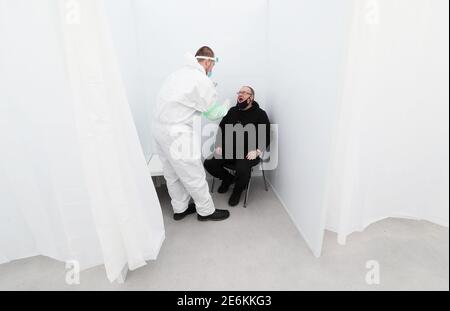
(217, 111)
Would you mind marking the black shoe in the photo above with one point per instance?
(235, 198)
(190, 210)
(224, 187)
(219, 214)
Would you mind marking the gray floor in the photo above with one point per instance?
(259, 248)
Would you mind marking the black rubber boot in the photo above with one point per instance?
(191, 210)
(219, 214)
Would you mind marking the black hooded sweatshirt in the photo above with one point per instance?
(249, 129)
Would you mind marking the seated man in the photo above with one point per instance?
(244, 134)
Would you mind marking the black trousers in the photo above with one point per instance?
(243, 170)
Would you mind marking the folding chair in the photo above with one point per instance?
(233, 169)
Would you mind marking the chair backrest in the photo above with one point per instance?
(273, 147)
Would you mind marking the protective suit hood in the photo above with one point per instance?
(191, 61)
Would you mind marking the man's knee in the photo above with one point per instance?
(243, 167)
(210, 164)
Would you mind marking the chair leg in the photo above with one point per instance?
(212, 186)
(246, 192)
(264, 175)
(265, 182)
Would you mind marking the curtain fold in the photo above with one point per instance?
(390, 155)
(74, 182)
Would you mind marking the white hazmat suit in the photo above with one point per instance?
(185, 95)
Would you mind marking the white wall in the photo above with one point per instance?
(307, 41)
(236, 30)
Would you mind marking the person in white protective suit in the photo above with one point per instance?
(185, 96)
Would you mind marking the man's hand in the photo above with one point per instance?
(252, 155)
(218, 151)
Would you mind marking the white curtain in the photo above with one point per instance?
(73, 179)
(391, 145)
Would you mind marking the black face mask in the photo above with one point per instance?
(244, 104)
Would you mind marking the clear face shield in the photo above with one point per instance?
(215, 60)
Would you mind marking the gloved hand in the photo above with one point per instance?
(217, 111)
